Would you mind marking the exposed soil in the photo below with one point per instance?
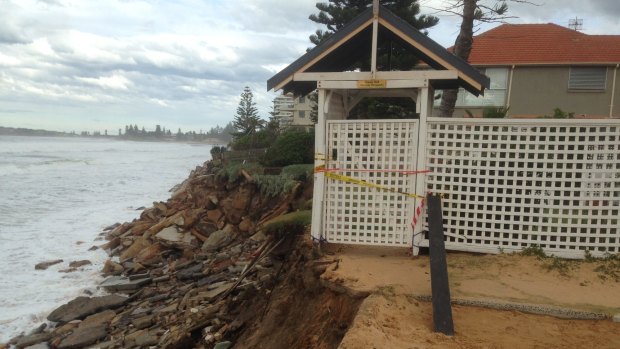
(301, 311)
(393, 317)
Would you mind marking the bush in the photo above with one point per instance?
(494, 112)
(290, 223)
(260, 139)
(291, 148)
(283, 183)
(560, 114)
(217, 152)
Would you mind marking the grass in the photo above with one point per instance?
(608, 267)
(269, 185)
(290, 223)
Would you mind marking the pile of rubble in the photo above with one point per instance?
(181, 275)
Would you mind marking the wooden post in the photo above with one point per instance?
(319, 160)
(440, 288)
(424, 103)
(375, 34)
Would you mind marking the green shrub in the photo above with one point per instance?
(299, 172)
(494, 112)
(290, 148)
(232, 172)
(290, 223)
(217, 152)
(274, 185)
(283, 183)
(260, 139)
(560, 114)
(534, 250)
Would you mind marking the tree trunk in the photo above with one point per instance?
(462, 49)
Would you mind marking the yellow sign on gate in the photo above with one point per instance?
(371, 83)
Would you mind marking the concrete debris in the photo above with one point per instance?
(179, 270)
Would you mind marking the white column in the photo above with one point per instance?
(425, 100)
(319, 160)
(375, 35)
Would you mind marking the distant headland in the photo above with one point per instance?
(216, 135)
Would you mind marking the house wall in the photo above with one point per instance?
(538, 90)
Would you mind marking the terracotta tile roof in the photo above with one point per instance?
(542, 44)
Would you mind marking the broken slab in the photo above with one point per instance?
(81, 307)
(83, 337)
(122, 283)
(172, 236)
(33, 339)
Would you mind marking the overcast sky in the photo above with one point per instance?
(100, 64)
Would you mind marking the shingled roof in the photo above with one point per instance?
(353, 42)
(549, 43)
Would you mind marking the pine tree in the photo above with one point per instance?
(273, 125)
(335, 14)
(391, 55)
(246, 121)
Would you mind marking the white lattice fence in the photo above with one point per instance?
(508, 184)
(359, 214)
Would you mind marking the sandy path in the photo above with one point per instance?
(392, 318)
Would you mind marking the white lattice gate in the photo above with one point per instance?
(368, 150)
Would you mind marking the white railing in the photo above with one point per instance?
(508, 184)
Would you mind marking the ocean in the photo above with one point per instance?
(56, 197)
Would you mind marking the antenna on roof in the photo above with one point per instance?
(575, 24)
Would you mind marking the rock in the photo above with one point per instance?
(37, 346)
(214, 293)
(205, 228)
(191, 216)
(173, 237)
(149, 255)
(93, 248)
(234, 216)
(112, 244)
(223, 345)
(141, 227)
(112, 227)
(143, 322)
(83, 337)
(81, 307)
(112, 268)
(138, 245)
(214, 215)
(212, 201)
(45, 265)
(166, 222)
(33, 339)
(120, 283)
(99, 319)
(616, 317)
(146, 340)
(77, 264)
(218, 239)
(246, 225)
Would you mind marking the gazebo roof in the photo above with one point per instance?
(352, 42)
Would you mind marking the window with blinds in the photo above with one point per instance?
(587, 78)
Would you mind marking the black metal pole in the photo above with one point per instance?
(442, 309)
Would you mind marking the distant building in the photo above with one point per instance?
(293, 112)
